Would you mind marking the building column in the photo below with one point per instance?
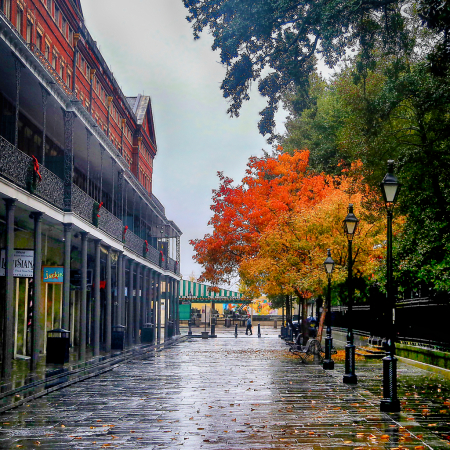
(69, 118)
(97, 299)
(166, 306)
(102, 151)
(144, 312)
(153, 287)
(66, 280)
(123, 320)
(8, 301)
(45, 95)
(108, 314)
(158, 307)
(88, 159)
(119, 212)
(118, 314)
(177, 306)
(137, 313)
(82, 339)
(35, 328)
(130, 305)
(18, 66)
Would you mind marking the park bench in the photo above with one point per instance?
(308, 351)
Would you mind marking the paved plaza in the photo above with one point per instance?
(228, 393)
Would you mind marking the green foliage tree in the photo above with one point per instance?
(277, 42)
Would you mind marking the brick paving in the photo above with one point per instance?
(227, 393)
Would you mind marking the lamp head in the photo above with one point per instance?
(350, 223)
(329, 264)
(390, 186)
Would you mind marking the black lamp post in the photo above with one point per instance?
(328, 363)
(390, 402)
(350, 225)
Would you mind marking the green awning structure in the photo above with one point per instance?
(190, 300)
(193, 292)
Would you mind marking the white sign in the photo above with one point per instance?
(23, 263)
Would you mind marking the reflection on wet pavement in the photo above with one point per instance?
(226, 393)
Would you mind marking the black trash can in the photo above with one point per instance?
(147, 334)
(118, 337)
(170, 329)
(213, 321)
(58, 343)
(227, 322)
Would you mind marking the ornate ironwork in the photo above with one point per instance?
(110, 224)
(153, 255)
(134, 243)
(82, 203)
(171, 265)
(69, 117)
(51, 188)
(14, 166)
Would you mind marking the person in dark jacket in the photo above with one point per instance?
(249, 326)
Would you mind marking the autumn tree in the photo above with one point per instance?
(274, 228)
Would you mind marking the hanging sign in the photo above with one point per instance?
(23, 263)
(53, 274)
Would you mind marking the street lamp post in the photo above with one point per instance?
(328, 363)
(390, 402)
(350, 225)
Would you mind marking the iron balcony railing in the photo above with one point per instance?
(18, 167)
(22, 170)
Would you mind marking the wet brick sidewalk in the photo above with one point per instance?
(228, 393)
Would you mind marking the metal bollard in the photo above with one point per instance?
(259, 330)
(275, 324)
(190, 330)
(235, 330)
(213, 331)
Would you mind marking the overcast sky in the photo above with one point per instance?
(149, 46)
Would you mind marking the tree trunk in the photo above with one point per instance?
(321, 323)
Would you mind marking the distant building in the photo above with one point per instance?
(85, 243)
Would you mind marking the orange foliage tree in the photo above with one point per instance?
(273, 229)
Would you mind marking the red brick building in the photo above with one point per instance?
(76, 167)
(55, 31)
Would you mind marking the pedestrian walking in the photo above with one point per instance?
(249, 326)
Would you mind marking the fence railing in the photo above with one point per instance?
(18, 167)
(418, 321)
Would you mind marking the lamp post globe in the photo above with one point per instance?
(328, 363)
(350, 226)
(390, 187)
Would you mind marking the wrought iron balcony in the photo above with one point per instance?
(22, 170)
(18, 167)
